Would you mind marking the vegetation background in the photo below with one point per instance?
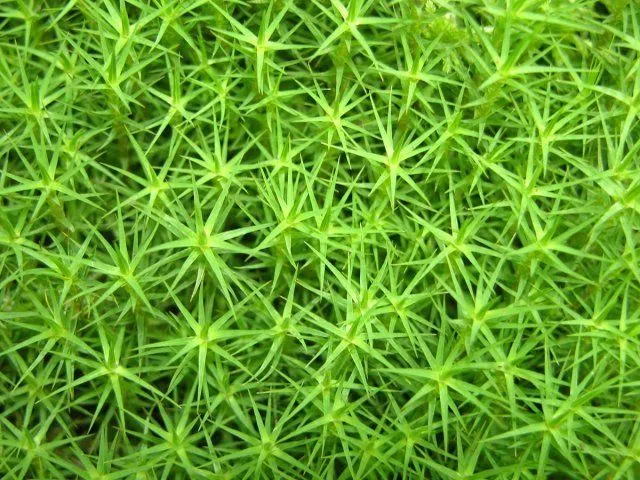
(322, 239)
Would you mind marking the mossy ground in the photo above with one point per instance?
(319, 239)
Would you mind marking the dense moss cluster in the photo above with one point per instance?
(319, 239)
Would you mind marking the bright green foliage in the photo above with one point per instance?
(323, 239)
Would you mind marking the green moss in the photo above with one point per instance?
(319, 239)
